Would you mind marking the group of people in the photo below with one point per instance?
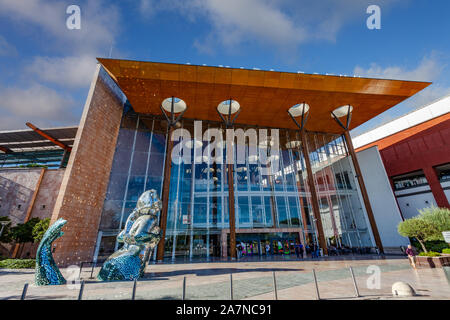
(279, 248)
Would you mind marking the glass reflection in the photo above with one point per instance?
(266, 198)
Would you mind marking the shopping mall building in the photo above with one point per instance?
(313, 189)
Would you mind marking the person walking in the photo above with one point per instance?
(314, 251)
(411, 256)
(267, 249)
(297, 250)
(300, 249)
(239, 250)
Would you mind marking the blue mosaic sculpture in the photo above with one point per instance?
(47, 273)
(139, 237)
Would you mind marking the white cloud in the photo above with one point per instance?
(70, 63)
(99, 23)
(429, 69)
(280, 23)
(236, 19)
(38, 104)
(75, 72)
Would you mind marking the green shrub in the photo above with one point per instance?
(33, 165)
(446, 250)
(439, 217)
(18, 264)
(436, 246)
(39, 229)
(417, 228)
(23, 232)
(429, 254)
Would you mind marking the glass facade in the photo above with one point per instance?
(52, 159)
(272, 202)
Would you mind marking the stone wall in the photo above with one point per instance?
(85, 181)
(17, 187)
(47, 194)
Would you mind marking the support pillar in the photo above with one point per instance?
(362, 186)
(165, 195)
(231, 209)
(314, 198)
(436, 188)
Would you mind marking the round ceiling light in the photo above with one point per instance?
(178, 105)
(342, 111)
(224, 107)
(299, 109)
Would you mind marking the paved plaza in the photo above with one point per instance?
(252, 279)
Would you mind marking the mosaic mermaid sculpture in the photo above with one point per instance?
(139, 237)
(47, 273)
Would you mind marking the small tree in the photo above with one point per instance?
(39, 229)
(418, 228)
(23, 232)
(439, 217)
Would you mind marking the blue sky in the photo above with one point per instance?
(46, 69)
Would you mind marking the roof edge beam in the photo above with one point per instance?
(48, 137)
(6, 150)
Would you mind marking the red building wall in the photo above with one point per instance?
(421, 147)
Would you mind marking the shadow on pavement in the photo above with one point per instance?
(214, 272)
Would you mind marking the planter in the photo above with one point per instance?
(432, 262)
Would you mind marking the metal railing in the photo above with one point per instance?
(248, 286)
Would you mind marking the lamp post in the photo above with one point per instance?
(301, 110)
(337, 114)
(228, 111)
(173, 110)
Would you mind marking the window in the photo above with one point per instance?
(343, 181)
(410, 180)
(443, 172)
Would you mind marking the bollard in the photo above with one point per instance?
(275, 286)
(92, 270)
(184, 289)
(80, 295)
(315, 283)
(24, 291)
(354, 283)
(133, 294)
(231, 286)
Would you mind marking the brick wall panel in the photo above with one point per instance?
(80, 200)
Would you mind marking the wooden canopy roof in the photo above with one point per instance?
(264, 96)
